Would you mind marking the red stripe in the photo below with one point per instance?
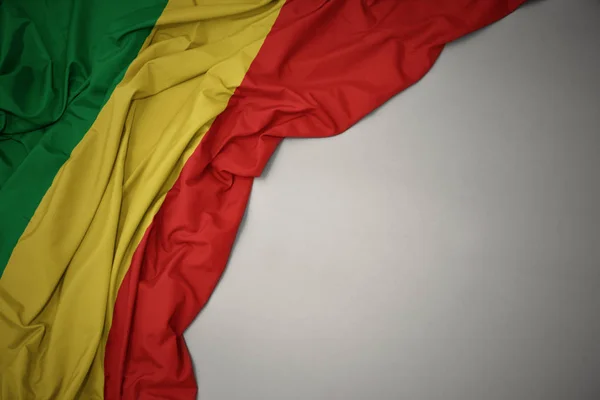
(324, 66)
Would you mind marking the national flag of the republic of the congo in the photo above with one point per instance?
(130, 134)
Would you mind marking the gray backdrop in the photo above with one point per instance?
(445, 248)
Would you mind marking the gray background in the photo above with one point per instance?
(447, 247)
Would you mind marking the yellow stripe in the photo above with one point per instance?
(58, 290)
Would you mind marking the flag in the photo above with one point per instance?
(130, 136)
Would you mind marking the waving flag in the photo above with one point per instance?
(130, 135)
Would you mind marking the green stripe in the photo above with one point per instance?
(60, 61)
